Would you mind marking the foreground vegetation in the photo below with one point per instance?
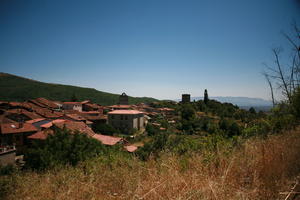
(15, 88)
(255, 169)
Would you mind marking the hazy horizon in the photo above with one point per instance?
(158, 49)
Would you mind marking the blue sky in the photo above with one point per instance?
(157, 48)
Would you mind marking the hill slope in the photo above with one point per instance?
(15, 88)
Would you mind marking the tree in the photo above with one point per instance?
(252, 110)
(105, 129)
(286, 76)
(153, 147)
(267, 77)
(62, 148)
(205, 96)
(74, 98)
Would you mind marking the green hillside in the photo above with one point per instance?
(15, 88)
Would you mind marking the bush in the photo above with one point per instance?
(296, 103)
(152, 130)
(105, 129)
(60, 149)
(7, 170)
(153, 147)
(7, 186)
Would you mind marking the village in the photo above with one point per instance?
(22, 123)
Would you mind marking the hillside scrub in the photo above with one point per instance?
(256, 169)
(15, 88)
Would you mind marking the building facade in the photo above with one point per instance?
(72, 106)
(126, 120)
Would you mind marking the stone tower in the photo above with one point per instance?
(123, 99)
(186, 98)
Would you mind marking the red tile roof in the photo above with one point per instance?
(35, 120)
(86, 101)
(71, 111)
(34, 101)
(107, 140)
(125, 112)
(93, 106)
(90, 112)
(30, 115)
(72, 103)
(15, 104)
(120, 106)
(47, 103)
(75, 126)
(92, 115)
(41, 135)
(17, 128)
(75, 117)
(49, 124)
(130, 148)
(89, 122)
(165, 109)
(5, 120)
(45, 112)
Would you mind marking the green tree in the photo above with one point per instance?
(61, 148)
(205, 96)
(74, 98)
(188, 115)
(105, 129)
(296, 103)
(151, 130)
(252, 110)
(154, 147)
(187, 112)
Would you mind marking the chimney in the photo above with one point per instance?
(21, 124)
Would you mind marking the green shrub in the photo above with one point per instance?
(7, 170)
(153, 147)
(105, 129)
(60, 149)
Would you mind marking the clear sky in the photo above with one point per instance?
(157, 48)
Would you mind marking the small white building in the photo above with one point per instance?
(72, 106)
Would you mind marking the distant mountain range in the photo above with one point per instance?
(242, 102)
(16, 88)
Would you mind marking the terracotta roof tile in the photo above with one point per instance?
(5, 120)
(76, 126)
(120, 106)
(130, 148)
(92, 105)
(86, 101)
(72, 103)
(47, 103)
(107, 140)
(35, 120)
(125, 112)
(51, 123)
(34, 101)
(41, 135)
(75, 117)
(17, 128)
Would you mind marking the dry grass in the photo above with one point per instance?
(259, 169)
